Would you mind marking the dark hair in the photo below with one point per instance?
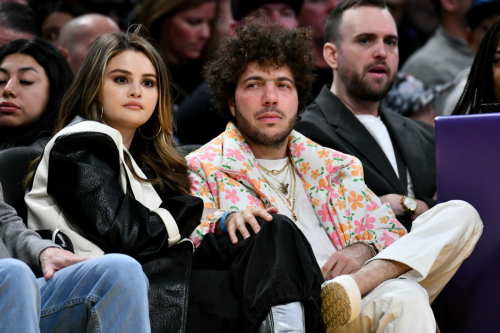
(335, 18)
(20, 18)
(480, 86)
(60, 76)
(63, 6)
(268, 45)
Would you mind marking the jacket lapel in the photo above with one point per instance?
(409, 144)
(360, 141)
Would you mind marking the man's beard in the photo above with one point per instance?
(257, 137)
(363, 89)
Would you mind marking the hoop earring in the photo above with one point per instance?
(159, 130)
(102, 112)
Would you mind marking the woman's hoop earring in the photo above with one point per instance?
(102, 111)
(159, 130)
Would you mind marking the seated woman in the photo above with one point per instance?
(483, 83)
(182, 29)
(33, 79)
(111, 179)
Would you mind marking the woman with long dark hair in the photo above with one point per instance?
(483, 83)
(33, 79)
(111, 178)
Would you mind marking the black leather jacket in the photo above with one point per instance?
(84, 180)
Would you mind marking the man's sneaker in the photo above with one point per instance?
(340, 301)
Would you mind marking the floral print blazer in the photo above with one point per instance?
(225, 174)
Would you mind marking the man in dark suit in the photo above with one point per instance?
(397, 153)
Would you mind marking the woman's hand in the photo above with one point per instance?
(237, 220)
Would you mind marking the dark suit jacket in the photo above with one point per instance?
(330, 123)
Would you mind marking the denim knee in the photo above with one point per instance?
(121, 267)
(16, 272)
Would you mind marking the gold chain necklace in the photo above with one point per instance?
(275, 172)
(286, 201)
(283, 187)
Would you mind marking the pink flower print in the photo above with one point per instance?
(335, 239)
(369, 222)
(387, 239)
(194, 185)
(297, 148)
(347, 212)
(331, 169)
(235, 153)
(360, 227)
(325, 216)
(206, 155)
(253, 201)
(213, 189)
(196, 241)
(232, 195)
(372, 206)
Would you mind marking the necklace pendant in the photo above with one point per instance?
(294, 217)
(284, 188)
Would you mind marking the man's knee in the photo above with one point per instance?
(119, 268)
(15, 271)
(405, 292)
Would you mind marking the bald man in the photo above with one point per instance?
(78, 35)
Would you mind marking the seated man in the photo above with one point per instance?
(106, 294)
(397, 153)
(377, 279)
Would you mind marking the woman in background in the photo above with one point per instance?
(182, 29)
(483, 83)
(33, 79)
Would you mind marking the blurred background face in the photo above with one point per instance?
(184, 35)
(53, 24)
(24, 89)
(314, 14)
(282, 14)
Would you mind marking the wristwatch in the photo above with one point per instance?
(409, 204)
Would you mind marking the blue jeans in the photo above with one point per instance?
(105, 294)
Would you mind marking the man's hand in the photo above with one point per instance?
(346, 261)
(395, 201)
(54, 259)
(237, 221)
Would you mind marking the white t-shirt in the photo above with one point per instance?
(307, 221)
(378, 130)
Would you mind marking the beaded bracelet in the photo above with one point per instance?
(373, 249)
(223, 220)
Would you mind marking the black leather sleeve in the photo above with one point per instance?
(84, 173)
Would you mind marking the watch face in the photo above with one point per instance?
(410, 203)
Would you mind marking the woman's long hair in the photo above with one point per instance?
(158, 153)
(480, 86)
(60, 76)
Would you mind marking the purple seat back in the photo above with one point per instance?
(468, 168)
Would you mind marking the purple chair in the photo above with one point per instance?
(468, 165)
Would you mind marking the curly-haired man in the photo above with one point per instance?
(327, 216)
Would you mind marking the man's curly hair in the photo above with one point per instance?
(268, 45)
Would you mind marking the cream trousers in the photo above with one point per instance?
(439, 241)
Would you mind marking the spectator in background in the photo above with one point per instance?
(445, 54)
(182, 29)
(314, 14)
(197, 121)
(78, 35)
(54, 15)
(410, 98)
(284, 12)
(483, 83)
(33, 79)
(481, 16)
(17, 21)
